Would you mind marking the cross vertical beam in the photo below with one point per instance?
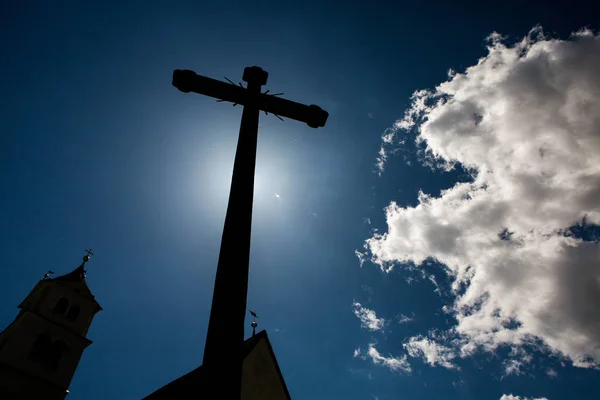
(225, 336)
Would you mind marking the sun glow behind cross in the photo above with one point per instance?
(209, 177)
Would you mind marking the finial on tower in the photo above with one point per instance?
(254, 324)
(81, 268)
(86, 258)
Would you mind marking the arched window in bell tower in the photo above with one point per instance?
(41, 348)
(73, 312)
(61, 305)
(58, 351)
(47, 353)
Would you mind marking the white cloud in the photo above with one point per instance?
(437, 286)
(458, 383)
(368, 318)
(517, 359)
(394, 363)
(404, 319)
(525, 120)
(511, 397)
(512, 367)
(432, 352)
(362, 257)
(551, 373)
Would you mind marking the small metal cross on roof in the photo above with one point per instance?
(254, 323)
(86, 258)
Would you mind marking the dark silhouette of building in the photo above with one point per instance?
(41, 348)
(261, 377)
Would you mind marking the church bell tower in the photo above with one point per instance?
(41, 348)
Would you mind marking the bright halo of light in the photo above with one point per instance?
(210, 177)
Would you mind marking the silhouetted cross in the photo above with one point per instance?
(89, 252)
(188, 81)
(225, 336)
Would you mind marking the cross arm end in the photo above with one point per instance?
(182, 79)
(313, 115)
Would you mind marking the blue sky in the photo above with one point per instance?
(97, 149)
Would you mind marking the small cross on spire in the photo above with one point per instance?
(254, 323)
(86, 258)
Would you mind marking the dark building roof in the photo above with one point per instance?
(195, 381)
(77, 276)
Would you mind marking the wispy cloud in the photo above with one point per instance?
(512, 367)
(362, 257)
(431, 352)
(524, 122)
(437, 286)
(511, 397)
(458, 383)
(404, 319)
(399, 364)
(517, 359)
(551, 373)
(368, 318)
(393, 363)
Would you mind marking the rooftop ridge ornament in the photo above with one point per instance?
(225, 336)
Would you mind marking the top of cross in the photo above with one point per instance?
(188, 81)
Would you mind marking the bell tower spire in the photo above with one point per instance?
(41, 348)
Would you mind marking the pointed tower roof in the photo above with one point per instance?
(77, 276)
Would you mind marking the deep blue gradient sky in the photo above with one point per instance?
(97, 149)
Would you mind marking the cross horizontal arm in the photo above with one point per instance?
(314, 116)
(188, 81)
